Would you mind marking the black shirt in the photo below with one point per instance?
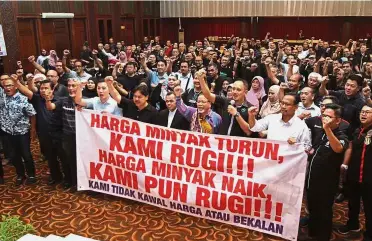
(352, 107)
(324, 166)
(44, 116)
(361, 152)
(130, 110)
(129, 82)
(60, 91)
(64, 116)
(316, 128)
(227, 118)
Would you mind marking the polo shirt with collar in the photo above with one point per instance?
(313, 109)
(155, 78)
(109, 106)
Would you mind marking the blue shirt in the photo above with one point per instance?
(155, 78)
(110, 106)
(15, 112)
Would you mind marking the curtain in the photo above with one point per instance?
(289, 8)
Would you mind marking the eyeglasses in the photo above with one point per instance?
(8, 86)
(202, 102)
(366, 112)
(51, 76)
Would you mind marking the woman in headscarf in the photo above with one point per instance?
(271, 105)
(50, 62)
(159, 93)
(257, 91)
(90, 89)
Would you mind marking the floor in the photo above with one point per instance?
(52, 210)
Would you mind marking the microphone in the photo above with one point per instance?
(232, 102)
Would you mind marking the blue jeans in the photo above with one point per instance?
(21, 146)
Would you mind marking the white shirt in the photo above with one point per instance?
(303, 54)
(278, 130)
(184, 80)
(295, 70)
(313, 109)
(84, 77)
(170, 117)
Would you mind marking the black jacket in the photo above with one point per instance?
(179, 122)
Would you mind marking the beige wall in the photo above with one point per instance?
(239, 8)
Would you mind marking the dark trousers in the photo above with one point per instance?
(55, 154)
(21, 149)
(1, 170)
(320, 202)
(356, 191)
(69, 146)
(7, 148)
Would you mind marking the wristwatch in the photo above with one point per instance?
(237, 115)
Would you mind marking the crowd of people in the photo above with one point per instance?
(316, 94)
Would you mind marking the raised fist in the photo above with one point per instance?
(31, 59)
(178, 91)
(109, 80)
(66, 52)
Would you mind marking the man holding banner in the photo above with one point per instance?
(284, 126)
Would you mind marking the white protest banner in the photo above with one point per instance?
(2, 43)
(251, 183)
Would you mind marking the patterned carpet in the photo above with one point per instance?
(52, 210)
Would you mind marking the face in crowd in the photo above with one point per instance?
(9, 86)
(45, 89)
(212, 71)
(332, 115)
(351, 88)
(72, 85)
(170, 101)
(79, 67)
(140, 99)
(366, 116)
(103, 90)
(288, 105)
(52, 76)
(294, 82)
(203, 105)
(184, 68)
(91, 85)
(307, 96)
(161, 67)
(239, 90)
(173, 82)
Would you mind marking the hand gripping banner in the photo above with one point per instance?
(250, 183)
